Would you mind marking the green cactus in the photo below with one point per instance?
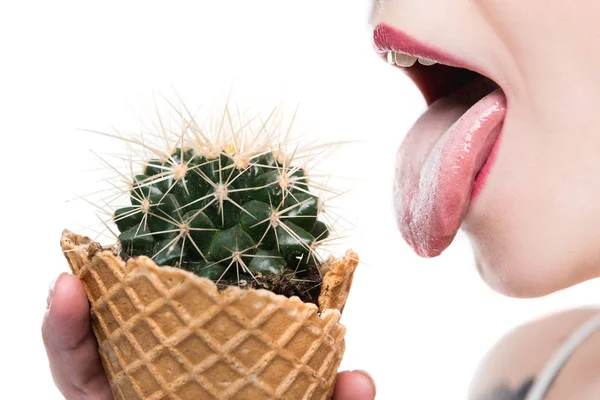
(231, 217)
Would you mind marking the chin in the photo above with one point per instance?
(513, 271)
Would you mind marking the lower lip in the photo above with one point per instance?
(482, 175)
(442, 167)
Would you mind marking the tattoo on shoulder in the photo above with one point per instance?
(505, 392)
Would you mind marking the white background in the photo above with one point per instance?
(420, 327)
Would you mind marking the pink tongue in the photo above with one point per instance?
(438, 162)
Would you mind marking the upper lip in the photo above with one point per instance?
(387, 38)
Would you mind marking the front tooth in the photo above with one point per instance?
(404, 60)
(390, 57)
(426, 61)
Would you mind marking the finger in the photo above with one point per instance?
(355, 385)
(70, 344)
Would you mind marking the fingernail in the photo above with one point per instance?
(365, 373)
(52, 289)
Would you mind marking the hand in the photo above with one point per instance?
(73, 353)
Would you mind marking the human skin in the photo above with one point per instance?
(535, 225)
(73, 351)
(507, 371)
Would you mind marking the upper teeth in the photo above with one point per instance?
(406, 60)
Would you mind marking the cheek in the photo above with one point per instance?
(535, 228)
(511, 20)
(534, 239)
(501, 10)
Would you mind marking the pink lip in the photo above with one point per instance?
(484, 172)
(386, 38)
(444, 160)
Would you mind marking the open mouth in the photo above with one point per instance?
(444, 159)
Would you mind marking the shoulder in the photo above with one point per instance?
(509, 369)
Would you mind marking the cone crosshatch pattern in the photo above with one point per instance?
(165, 333)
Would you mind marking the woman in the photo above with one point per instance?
(510, 154)
(512, 158)
(553, 358)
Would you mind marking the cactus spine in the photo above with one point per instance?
(236, 210)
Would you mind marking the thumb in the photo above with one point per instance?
(70, 344)
(354, 385)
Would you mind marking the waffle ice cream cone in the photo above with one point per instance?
(165, 333)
